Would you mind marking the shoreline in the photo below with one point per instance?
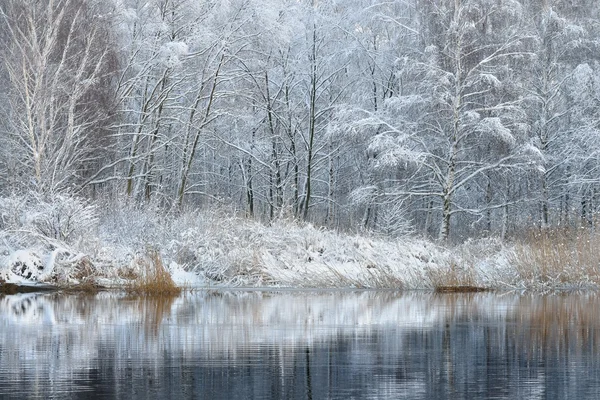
(215, 250)
(9, 289)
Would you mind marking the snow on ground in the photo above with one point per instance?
(222, 250)
(216, 249)
(185, 279)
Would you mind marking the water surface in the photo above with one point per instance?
(300, 345)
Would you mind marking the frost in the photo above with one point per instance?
(512, 7)
(363, 195)
(581, 80)
(490, 80)
(471, 117)
(521, 128)
(172, 53)
(400, 103)
(391, 151)
(129, 15)
(533, 153)
(63, 217)
(431, 49)
(574, 30)
(351, 122)
(493, 126)
(393, 220)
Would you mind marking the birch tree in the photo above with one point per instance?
(459, 119)
(58, 60)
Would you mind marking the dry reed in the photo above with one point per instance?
(154, 279)
(453, 277)
(559, 257)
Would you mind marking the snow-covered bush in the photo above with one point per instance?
(60, 216)
(63, 216)
(133, 225)
(13, 212)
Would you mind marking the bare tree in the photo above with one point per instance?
(57, 57)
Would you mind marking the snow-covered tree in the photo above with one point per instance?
(58, 61)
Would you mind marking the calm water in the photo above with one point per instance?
(300, 345)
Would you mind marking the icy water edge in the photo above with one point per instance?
(300, 345)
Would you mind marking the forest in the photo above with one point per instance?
(447, 119)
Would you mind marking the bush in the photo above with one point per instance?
(60, 216)
(63, 216)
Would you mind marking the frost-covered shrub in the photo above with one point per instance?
(12, 212)
(63, 216)
(133, 225)
(392, 220)
(60, 216)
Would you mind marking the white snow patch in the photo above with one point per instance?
(183, 278)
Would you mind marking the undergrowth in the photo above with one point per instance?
(559, 257)
(453, 275)
(154, 278)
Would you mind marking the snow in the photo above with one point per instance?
(183, 278)
(213, 249)
(493, 126)
(26, 264)
(218, 249)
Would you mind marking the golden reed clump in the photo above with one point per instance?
(154, 279)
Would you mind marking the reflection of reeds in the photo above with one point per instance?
(153, 310)
(459, 289)
(154, 279)
(528, 333)
(560, 256)
(556, 323)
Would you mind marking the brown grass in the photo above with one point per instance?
(453, 277)
(86, 286)
(83, 270)
(559, 256)
(155, 279)
(383, 277)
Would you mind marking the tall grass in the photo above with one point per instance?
(456, 276)
(154, 279)
(367, 277)
(559, 257)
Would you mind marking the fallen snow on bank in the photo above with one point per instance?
(185, 279)
(241, 252)
(212, 249)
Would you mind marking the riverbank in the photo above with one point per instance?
(126, 246)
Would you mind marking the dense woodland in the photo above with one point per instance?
(446, 118)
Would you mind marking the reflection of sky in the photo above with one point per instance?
(399, 343)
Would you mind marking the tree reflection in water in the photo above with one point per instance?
(298, 344)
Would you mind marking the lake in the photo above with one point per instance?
(300, 345)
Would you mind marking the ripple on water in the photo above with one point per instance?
(299, 345)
